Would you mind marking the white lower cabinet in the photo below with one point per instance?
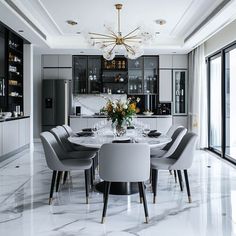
(163, 124)
(14, 134)
(10, 136)
(77, 124)
(149, 121)
(180, 120)
(1, 138)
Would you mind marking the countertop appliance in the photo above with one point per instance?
(56, 103)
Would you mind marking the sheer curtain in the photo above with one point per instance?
(198, 110)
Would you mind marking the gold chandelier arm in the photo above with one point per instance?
(129, 48)
(133, 37)
(131, 32)
(103, 38)
(133, 41)
(112, 48)
(105, 45)
(112, 32)
(103, 35)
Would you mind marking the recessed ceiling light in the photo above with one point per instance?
(71, 22)
(81, 52)
(173, 52)
(160, 21)
(20, 31)
(157, 32)
(78, 32)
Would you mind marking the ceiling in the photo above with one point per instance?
(183, 17)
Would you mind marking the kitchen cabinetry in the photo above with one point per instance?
(180, 120)
(143, 75)
(14, 134)
(165, 86)
(180, 61)
(57, 67)
(86, 74)
(179, 92)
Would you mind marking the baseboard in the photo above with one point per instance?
(37, 140)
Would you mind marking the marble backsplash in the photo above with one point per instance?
(91, 104)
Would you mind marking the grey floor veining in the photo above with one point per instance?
(25, 182)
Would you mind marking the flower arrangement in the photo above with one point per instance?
(119, 111)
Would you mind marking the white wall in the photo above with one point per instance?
(221, 39)
(37, 91)
(28, 86)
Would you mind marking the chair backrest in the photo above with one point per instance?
(185, 152)
(172, 129)
(51, 150)
(175, 140)
(62, 138)
(124, 162)
(68, 130)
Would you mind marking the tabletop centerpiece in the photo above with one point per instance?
(120, 113)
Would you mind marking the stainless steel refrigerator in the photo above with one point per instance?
(56, 103)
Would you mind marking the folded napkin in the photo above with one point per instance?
(130, 127)
(154, 134)
(88, 129)
(121, 141)
(85, 134)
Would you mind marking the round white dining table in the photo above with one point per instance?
(106, 136)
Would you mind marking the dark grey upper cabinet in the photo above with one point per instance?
(2, 51)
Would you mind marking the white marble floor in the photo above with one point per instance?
(24, 187)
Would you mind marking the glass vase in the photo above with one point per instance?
(119, 128)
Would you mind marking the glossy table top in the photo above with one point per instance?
(107, 136)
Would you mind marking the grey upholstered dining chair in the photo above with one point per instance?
(124, 162)
(181, 159)
(70, 132)
(62, 139)
(58, 161)
(172, 129)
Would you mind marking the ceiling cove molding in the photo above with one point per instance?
(181, 18)
(50, 17)
(20, 13)
(207, 19)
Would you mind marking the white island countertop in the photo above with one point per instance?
(138, 116)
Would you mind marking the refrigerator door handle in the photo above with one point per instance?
(66, 102)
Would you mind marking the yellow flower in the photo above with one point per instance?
(132, 106)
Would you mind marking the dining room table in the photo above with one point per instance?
(97, 138)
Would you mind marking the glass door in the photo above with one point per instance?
(94, 75)
(180, 92)
(230, 103)
(215, 114)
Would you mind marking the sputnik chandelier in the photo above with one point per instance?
(132, 42)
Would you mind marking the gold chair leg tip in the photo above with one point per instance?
(103, 220)
(189, 199)
(50, 201)
(154, 200)
(146, 220)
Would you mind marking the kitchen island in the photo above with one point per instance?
(159, 122)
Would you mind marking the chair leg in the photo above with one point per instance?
(187, 185)
(180, 180)
(86, 176)
(107, 191)
(154, 184)
(140, 193)
(54, 174)
(175, 175)
(170, 171)
(144, 200)
(59, 174)
(65, 177)
(91, 177)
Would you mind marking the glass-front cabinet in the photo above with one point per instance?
(143, 75)
(86, 74)
(94, 74)
(150, 75)
(80, 65)
(180, 92)
(135, 69)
